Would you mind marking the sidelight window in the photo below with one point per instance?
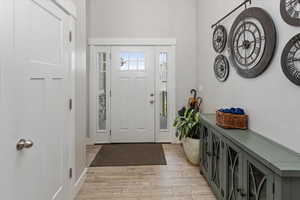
(102, 75)
(163, 89)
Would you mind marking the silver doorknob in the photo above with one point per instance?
(151, 102)
(24, 144)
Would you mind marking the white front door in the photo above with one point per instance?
(132, 88)
(34, 103)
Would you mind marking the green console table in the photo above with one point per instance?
(243, 165)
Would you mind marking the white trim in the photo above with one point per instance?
(67, 6)
(78, 184)
(132, 41)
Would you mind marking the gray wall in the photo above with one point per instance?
(151, 19)
(271, 100)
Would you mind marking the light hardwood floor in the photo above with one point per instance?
(178, 180)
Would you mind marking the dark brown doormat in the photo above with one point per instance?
(129, 155)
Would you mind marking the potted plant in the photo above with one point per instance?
(187, 124)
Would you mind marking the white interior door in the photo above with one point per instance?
(132, 88)
(34, 101)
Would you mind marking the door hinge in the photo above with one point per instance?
(273, 188)
(110, 93)
(70, 36)
(70, 173)
(109, 132)
(70, 104)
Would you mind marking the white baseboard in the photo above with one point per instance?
(89, 141)
(78, 184)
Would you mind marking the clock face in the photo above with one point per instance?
(249, 43)
(221, 68)
(290, 11)
(290, 60)
(219, 38)
(252, 42)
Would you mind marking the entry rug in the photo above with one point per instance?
(130, 155)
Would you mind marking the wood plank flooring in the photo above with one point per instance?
(178, 180)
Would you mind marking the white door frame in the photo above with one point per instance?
(98, 45)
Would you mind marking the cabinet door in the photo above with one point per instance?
(233, 172)
(206, 152)
(258, 181)
(216, 164)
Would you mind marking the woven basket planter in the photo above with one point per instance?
(232, 121)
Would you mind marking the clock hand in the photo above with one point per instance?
(244, 30)
(242, 45)
(296, 59)
(245, 57)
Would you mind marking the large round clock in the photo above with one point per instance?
(290, 60)
(290, 11)
(221, 68)
(252, 42)
(219, 38)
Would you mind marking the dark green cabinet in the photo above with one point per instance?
(243, 165)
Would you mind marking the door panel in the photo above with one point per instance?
(206, 154)
(216, 168)
(258, 183)
(34, 97)
(234, 169)
(132, 84)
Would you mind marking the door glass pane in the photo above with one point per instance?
(102, 66)
(141, 61)
(257, 183)
(132, 61)
(163, 89)
(124, 57)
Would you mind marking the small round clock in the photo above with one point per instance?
(290, 11)
(219, 38)
(221, 68)
(252, 42)
(290, 60)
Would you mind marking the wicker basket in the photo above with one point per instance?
(232, 121)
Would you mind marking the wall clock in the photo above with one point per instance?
(290, 11)
(290, 60)
(221, 68)
(252, 42)
(219, 38)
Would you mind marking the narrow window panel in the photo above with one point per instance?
(102, 67)
(163, 90)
